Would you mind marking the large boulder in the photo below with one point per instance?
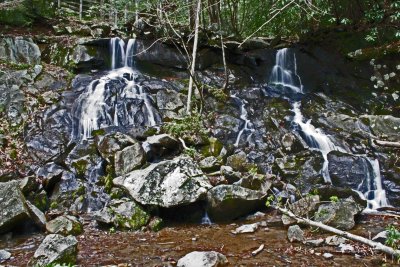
(383, 126)
(349, 171)
(65, 225)
(301, 208)
(339, 214)
(160, 145)
(166, 184)
(122, 214)
(19, 50)
(226, 202)
(111, 143)
(13, 208)
(203, 259)
(55, 249)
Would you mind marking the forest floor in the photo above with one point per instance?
(164, 248)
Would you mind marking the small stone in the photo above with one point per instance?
(315, 242)
(327, 256)
(247, 228)
(346, 248)
(295, 233)
(335, 240)
(194, 239)
(203, 259)
(4, 255)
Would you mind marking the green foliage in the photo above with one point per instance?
(392, 237)
(190, 125)
(334, 199)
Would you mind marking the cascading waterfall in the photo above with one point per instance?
(284, 74)
(243, 116)
(315, 138)
(116, 99)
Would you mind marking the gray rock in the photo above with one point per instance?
(380, 237)
(163, 140)
(238, 162)
(130, 158)
(13, 210)
(385, 127)
(346, 248)
(258, 182)
(315, 242)
(301, 207)
(226, 202)
(295, 233)
(168, 183)
(109, 144)
(339, 214)
(203, 259)
(19, 50)
(50, 174)
(36, 215)
(335, 240)
(28, 184)
(55, 249)
(122, 214)
(246, 228)
(169, 100)
(327, 256)
(210, 164)
(230, 175)
(65, 225)
(4, 255)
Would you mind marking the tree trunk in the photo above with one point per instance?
(375, 245)
(196, 38)
(80, 9)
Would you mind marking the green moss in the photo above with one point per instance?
(80, 167)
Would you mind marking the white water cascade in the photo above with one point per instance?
(315, 138)
(116, 99)
(244, 118)
(284, 73)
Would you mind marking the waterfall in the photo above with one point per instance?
(244, 118)
(206, 220)
(284, 73)
(115, 99)
(315, 138)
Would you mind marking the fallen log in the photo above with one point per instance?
(375, 245)
(387, 143)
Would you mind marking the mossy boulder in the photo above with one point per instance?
(123, 214)
(65, 225)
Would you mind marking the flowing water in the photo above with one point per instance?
(115, 99)
(284, 74)
(246, 121)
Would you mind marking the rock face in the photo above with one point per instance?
(122, 214)
(166, 184)
(13, 209)
(203, 259)
(4, 255)
(339, 214)
(55, 249)
(19, 50)
(226, 202)
(65, 225)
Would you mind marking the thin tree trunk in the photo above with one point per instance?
(136, 10)
(59, 3)
(375, 245)
(223, 51)
(196, 38)
(80, 9)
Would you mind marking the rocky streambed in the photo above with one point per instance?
(166, 247)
